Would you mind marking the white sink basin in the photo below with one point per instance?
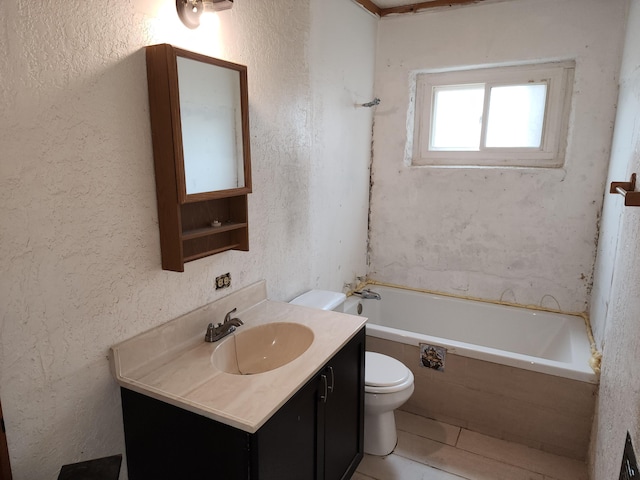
(261, 349)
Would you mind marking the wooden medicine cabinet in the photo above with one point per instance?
(200, 130)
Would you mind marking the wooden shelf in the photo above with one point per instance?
(205, 232)
(212, 252)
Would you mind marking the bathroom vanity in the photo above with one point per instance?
(187, 414)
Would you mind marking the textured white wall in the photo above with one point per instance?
(617, 321)
(78, 234)
(342, 78)
(522, 235)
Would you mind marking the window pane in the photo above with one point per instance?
(516, 116)
(457, 117)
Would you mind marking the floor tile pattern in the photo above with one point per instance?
(431, 450)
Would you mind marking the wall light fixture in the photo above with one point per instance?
(190, 11)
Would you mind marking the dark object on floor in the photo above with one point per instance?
(107, 468)
(629, 468)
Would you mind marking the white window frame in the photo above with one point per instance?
(558, 77)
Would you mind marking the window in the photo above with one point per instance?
(508, 116)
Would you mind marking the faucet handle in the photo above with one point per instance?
(210, 333)
(227, 317)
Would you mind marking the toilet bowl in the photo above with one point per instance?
(388, 385)
(388, 382)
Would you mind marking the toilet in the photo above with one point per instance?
(388, 382)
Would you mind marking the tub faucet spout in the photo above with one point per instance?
(368, 294)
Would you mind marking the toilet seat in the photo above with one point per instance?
(384, 374)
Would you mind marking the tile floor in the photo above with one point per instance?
(430, 450)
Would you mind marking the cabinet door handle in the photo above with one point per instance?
(325, 385)
(333, 380)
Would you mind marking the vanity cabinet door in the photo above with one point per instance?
(318, 434)
(285, 447)
(164, 442)
(344, 411)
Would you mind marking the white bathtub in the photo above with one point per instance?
(550, 343)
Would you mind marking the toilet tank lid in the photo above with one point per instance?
(322, 299)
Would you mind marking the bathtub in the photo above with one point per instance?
(518, 374)
(545, 342)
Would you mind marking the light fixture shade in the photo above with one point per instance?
(190, 11)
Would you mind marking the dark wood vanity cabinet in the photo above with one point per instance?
(343, 411)
(316, 435)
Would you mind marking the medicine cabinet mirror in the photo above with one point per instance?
(211, 126)
(200, 129)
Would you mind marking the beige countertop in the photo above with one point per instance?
(172, 362)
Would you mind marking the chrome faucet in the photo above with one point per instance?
(368, 295)
(223, 329)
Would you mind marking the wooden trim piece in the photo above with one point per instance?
(415, 7)
(162, 114)
(369, 6)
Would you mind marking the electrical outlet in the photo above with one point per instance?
(223, 281)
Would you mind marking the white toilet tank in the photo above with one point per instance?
(322, 299)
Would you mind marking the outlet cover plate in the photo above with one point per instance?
(223, 281)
